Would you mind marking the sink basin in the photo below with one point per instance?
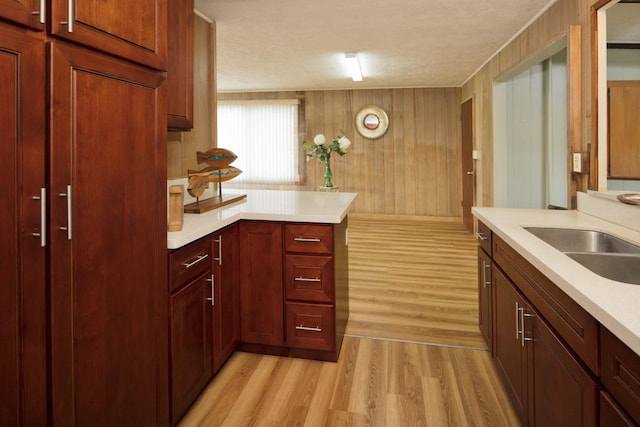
(575, 240)
(615, 266)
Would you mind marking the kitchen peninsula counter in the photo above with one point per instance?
(614, 304)
(267, 205)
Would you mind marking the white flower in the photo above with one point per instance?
(344, 143)
(319, 139)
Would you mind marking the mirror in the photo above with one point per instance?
(371, 122)
(617, 58)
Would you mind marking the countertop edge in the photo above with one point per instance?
(196, 226)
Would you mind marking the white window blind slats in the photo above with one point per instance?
(265, 138)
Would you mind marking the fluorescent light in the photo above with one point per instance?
(354, 66)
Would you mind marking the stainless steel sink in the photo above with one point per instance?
(575, 240)
(606, 255)
(615, 266)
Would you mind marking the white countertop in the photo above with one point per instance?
(268, 205)
(614, 304)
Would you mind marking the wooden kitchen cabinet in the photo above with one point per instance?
(485, 298)
(23, 12)
(133, 30)
(546, 382)
(23, 324)
(509, 355)
(180, 65)
(261, 286)
(562, 391)
(108, 253)
(226, 308)
(303, 311)
(191, 343)
(621, 373)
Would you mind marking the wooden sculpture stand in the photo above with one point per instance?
(202, 206)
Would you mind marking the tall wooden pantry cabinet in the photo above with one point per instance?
(83, 102)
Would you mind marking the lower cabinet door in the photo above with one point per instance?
(611, 415)
(310, 326)
(191, 344)
(484, 296)
(562, 392)
(509, 354)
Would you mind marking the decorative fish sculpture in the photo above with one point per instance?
(197, 185)
(216, 157)
(216, 174)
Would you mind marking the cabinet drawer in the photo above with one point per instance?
(621, 372)
(484, 237)
(309, 278)
(310, 326)
(188, 262)
(308, 238)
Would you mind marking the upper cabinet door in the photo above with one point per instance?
(134, 30)
(180, 67)
(25, 12)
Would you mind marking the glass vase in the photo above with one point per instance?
(327, 174)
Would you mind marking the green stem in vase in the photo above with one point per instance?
(327, 173)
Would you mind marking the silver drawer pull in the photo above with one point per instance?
(191, 264)
(307, 239)
(307, 279)
(308, 328)
(482, 236)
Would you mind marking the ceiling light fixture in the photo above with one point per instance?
(354, 66)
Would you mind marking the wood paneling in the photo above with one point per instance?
(414, 169)
(553, 24)
(182, 146)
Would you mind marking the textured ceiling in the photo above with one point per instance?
(268, 45)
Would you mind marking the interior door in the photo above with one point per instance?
(468, 173)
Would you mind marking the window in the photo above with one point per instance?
(264, 136)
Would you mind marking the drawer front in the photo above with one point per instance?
(484, 237)
(310, 326)
(621, 373)
(188, 262)
(309, 278)
(309, 238)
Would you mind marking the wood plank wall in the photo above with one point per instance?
(552, 25)
(414, 169)
(182, 146)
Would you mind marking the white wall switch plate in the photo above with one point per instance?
(475, 154)
(577, 162)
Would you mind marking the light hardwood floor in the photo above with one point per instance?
(413, 355)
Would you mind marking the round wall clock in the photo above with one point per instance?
(372, 121)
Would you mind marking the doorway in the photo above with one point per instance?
(468, 172)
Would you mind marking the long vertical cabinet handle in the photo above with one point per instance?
(69, 219)
(517, 321)
(213, 290)
(42, 12)
(485, 265)
(43, 217)
(219, 242)
(523, 338)
(69, 21)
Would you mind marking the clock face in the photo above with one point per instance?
(372, 122)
